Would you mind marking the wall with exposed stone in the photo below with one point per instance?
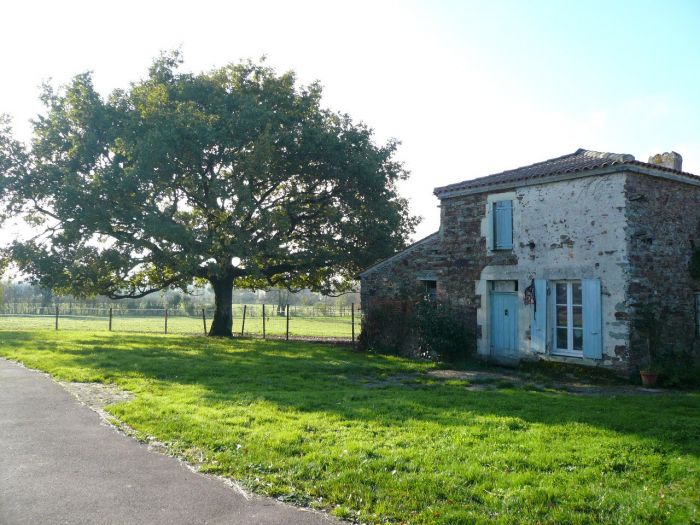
(564, 230)
(663, 218)
(633, 232)
(397, 278)
(568, 230)
(454, 257)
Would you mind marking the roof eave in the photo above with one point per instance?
(557, 177)
(397, 255)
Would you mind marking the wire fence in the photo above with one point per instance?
(249, 320)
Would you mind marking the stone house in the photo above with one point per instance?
(582, 258)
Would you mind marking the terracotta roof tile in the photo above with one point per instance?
(580, 160)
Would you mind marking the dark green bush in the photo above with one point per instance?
(426, 329)
(442, 331)
(386, 328)
(679, 367)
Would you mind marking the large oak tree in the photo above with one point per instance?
(237, 176)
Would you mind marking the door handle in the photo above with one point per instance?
(506, 312)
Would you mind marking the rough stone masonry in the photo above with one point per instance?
(632, 225)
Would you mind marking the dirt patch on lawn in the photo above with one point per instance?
(485, 380)
(97, 395)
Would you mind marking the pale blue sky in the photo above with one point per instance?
(471, 88)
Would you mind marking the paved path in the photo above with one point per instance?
(60, 464)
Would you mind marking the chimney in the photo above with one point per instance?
(671, 160)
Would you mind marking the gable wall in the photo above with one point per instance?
(455, 257)
(397, 279)
(663, 219)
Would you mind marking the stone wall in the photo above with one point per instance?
(663, 219)
(397, 278)
(563, 230)
(571, 230)
(454, 256)
(635, 232)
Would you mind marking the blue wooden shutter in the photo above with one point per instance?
(503, 225)
(592, 319)
(538, 328)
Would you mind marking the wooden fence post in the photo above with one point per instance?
(204, 321)
(56, 317)
(166, 320)
(245, 307)
(110, 318)
(264, 335)
(352, 320)
(287, 338)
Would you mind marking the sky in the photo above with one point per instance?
(469, 88)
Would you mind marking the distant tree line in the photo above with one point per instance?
(16, 292)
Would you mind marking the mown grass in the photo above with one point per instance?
(373, 438)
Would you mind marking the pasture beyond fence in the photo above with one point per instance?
(249, 320)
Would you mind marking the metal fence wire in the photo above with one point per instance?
(249, 320)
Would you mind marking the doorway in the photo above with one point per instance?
(504, 324)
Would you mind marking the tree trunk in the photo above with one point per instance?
(222, 324)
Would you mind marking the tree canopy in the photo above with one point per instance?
(237, 176)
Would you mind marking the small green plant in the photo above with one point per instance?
(648, 326)
(675, 365)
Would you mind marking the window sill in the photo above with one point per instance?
(567, 353)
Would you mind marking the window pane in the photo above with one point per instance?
(561, 293)
(561, 316)
(561, 339)
(576, 289)
(578, 339)
(578, 316)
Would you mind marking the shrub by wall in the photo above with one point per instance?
(423, 329)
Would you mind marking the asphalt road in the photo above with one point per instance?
(60, 464)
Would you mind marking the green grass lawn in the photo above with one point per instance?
(375, 439)
(275, 326)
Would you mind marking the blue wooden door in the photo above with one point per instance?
(504, 324)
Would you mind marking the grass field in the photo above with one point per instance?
(376, 439)
(276, 326)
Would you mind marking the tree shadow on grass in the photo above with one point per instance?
(334, 380)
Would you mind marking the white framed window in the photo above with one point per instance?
(568, 318)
